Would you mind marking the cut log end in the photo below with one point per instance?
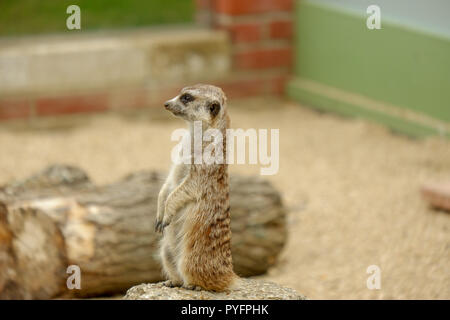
(37, 255)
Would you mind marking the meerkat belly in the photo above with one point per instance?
(176, 230)
(206, 253)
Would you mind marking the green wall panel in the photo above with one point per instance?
(399, 65)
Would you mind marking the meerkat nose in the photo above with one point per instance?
(166, 104)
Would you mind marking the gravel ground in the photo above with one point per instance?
(352, 188)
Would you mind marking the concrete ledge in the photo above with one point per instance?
(92, 62)
(94, 72)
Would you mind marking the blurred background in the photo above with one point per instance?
(363, 114)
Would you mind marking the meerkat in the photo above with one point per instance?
(193, 205)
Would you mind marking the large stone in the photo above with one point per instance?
(247, 289)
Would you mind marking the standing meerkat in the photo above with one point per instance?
(193, 204)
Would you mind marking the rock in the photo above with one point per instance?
(247, 289)
(437, 194)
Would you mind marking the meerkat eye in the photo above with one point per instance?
(214, 108)
(185, 98)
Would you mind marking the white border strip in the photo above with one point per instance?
(358, 100)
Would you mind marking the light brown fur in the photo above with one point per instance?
(193, 204)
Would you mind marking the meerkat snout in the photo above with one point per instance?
(173, 106)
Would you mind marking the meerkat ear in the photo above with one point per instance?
(214, 108)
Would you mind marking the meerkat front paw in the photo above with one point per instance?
(160, 225)
(158, 222)
(172, 283)
(192, 287)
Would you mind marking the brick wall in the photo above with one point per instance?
(261, 35)
(261, 56)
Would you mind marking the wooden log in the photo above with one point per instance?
(58, 218)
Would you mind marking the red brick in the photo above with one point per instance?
(244, 32)
(71, 104)
(240, 7)
(128, 98)
(263, 58)
(281, 29)
(14, 108)
(277, 84)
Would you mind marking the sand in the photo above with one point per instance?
(352, 189)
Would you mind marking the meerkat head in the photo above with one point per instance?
(201, 102)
